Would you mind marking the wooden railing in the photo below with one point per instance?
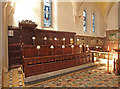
(43, 64)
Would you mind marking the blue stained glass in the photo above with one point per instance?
(84, 20)
(47, 13)
(93, 22)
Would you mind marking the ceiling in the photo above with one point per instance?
(105, 6)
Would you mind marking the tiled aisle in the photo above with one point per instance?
(90, 77)
(58, 72)
(93, 77)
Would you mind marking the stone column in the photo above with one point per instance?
(0, 45)
(4, 37)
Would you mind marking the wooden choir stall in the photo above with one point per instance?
(41, 51)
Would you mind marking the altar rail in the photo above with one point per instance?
(38, 65)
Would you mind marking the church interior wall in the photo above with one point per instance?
(90, 9)
(65, 17)
(112, 18)
(29, 11)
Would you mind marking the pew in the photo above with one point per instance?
(44, 64)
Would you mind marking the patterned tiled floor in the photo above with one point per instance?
(58, 72)
(90, 77)
(13, 78)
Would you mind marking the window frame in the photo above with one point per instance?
(42, 16)
(85, 30)
(93, 27)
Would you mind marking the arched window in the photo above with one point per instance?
(93, 22)
(84, 20)
(47, 13)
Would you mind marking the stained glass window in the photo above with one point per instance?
(47, 13)
(84, 20)
(93, 22)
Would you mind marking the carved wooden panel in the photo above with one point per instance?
(53, 37)
(38, 65)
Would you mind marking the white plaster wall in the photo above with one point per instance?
(90, 8)
(65, 17)
(26, 9)
(31, 11)
(112, 19)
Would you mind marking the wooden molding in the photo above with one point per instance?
(27, 24)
